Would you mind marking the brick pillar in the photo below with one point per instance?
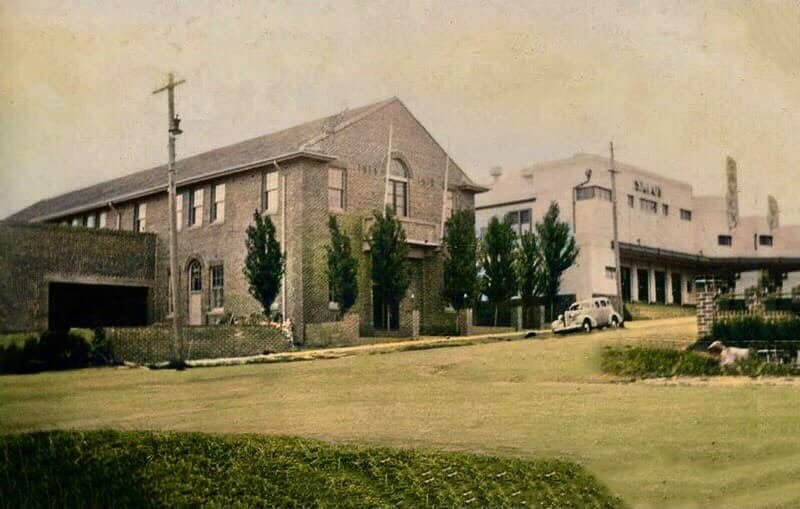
(705, 311)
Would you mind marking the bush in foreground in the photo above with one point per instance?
(55, 351)
(109, 468)
(648, 362)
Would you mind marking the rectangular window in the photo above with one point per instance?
(611, 272)
(217, 287)
(399, 197)
(91, 220)
(218, 203)
(103, 220)
(525, 221)
(724, 240)
(196, 207)
(588, 193)
(336, 182)
(631, 201)
(765, 240)
(270, 185)
(686, 215)
(448, 204)
(648, 205)
(76, 221)
(179, 211)
(665, 209)
(140, 217)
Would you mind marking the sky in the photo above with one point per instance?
(677, 85)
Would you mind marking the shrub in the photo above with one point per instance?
(753, 331)
(50, 351)
(101, 353)
(648, 362)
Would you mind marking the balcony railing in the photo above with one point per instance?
(418, 232)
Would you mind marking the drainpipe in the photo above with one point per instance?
(282, 175)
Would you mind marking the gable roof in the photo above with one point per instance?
(277, 146)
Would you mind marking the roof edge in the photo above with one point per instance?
(319, 156)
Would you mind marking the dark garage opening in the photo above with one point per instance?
(86, 305)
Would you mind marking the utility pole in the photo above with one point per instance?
(173, 130)
(618, 271)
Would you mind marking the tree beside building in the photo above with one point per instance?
(342, 269)
(558, 252)
(390, 267)
(498, 279)
(460, 260)
(264, 264)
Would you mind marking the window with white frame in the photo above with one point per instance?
(91, 220)
(140, 217)
(270, 195)
(217, 295)
(179, 211)
(102, 221)
(398, 188)
(76, 221)
(520, 221)
(336, 188)
(218, 203)
(196, 207)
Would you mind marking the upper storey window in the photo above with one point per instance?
(398, 188)
(765, 240)
(336, 187)
(140, 217)
(218, 203)
(686, 215)
(270, 194)
(196, 207)
(591, 192)
(648, 205)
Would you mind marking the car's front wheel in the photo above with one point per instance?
(587, 325)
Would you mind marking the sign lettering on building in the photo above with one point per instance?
(643, 187)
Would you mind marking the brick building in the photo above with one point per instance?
(298, 176)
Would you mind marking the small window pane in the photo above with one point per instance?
(195, 277)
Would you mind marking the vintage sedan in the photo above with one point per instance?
(587, 315)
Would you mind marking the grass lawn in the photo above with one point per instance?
(715, 444)
(157, 469)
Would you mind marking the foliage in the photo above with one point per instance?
(50, 351)
(342, 268)
(649, 362)
(460, 263)
(498, 281)
(264, 264)
(134, 469)
(754, 331)
(389, 256)
(528, 266)
(558, 250)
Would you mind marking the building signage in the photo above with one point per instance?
(646, 188)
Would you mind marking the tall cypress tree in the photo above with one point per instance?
(528, 266)
(498, 282)
(264, 264)
(558, 250)
(389, 255)
(342, 268)
(460, 270)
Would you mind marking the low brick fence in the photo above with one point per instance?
(326, 334)
(146, 345)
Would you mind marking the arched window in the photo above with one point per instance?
(398, 187)
(195, 277)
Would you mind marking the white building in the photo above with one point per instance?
(668, 236)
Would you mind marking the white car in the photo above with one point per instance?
(587, 315)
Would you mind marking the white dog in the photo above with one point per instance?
(728, 355)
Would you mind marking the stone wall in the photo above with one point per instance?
(147, 345)
(32, 256)
(327, 334)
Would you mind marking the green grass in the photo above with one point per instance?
(730, 442)
(135, 469)
(645, 311)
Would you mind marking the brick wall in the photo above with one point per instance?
(341, 333)
(33, 255)
(147, 345)
(705, 301)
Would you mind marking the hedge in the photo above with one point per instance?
(55, 351)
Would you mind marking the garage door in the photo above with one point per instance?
(85, 305)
